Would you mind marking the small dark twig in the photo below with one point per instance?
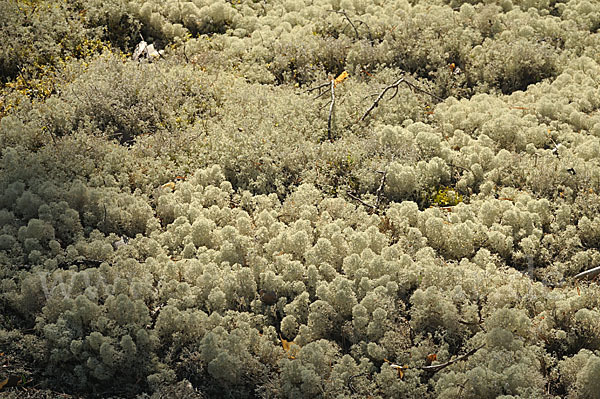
(380, 188)
(437, 367)
(104, 219)
(471, 323)
(459, 167)
(378, 193)
(417, 88)
(395, 87)
(318, 87)
(368, 30)
(354, 197)
(380, 97)
(342, 12)
(326, 104)
(187, 60)
(331, 107)
(352, 389)
(320, 94)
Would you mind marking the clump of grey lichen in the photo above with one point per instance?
(201, 223)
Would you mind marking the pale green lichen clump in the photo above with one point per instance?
(201, 224)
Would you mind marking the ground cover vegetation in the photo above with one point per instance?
(300, 199)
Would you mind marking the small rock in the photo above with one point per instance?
(268, 297)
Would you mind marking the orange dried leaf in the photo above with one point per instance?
(170, 185)
(12, 381)
(340, 78)
(399, 369)
(431, 357)
(287, 346)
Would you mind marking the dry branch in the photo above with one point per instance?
(318, 88)
(342, 12)
(395, 86)
(437, 367)
(430, 369)
(354, 197)
(331, 106)
(368, 30)
(345, 14)
(591, 273)
(352, 389)
(379, 191)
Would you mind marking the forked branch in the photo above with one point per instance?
(345, 14)
(342, 12)
(356, 198)
(321, 86)
(437, 367)
(394, 86)
(378, 193)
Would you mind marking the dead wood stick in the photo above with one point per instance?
(368, 30)
(352, 389)
(588, 273)
(342, 12)
(395, 86)
(319, 87)
(331, 107)
(380, 188)
(354, 197)
(437, 367)
(380, 96)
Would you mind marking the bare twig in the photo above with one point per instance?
(378, 193)
(318, 87)
(352, 389)
(331, 107)
(380, 97)
(394, 86)
(104, 219)
(588, 273)
(320, 94)
(417, 88)
(437, 367)
(380, 188)
(342, 12)
(354, 197)
(187, 60)
(459, 167)
(368, 30)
